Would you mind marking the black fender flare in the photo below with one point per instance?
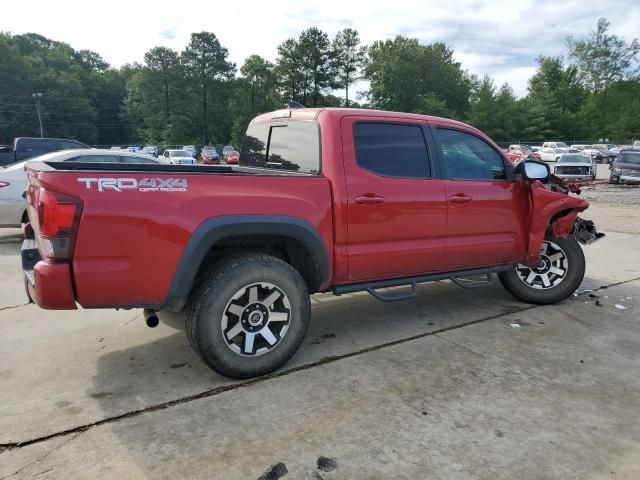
(214, 230)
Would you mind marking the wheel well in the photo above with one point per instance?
(291, 250)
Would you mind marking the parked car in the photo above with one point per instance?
(134, 148)
(228, 148)
(238, 250)
(636, 144)
(210, 156)
(626, 167)
(232, 157)
(552, 154)
(607, 155)
(178, 157)
(150, 150)
(13, 178)
(116, 148)
(517, 153)
(619, 148)
(575, 166)
(191, 149)
(24, 148)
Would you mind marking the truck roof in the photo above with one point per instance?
(314, 113)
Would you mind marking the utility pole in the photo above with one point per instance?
(38, 96)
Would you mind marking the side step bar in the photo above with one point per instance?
(460, 278)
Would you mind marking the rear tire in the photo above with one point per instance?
(559, 274)
(248, 316)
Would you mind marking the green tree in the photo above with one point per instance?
(205, 61)
(348, 59)
(410, 77)
(603, 58)
(314, 54)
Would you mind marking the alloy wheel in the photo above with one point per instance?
(551, 270)
(256, 319)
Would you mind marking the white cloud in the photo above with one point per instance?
(501, 38)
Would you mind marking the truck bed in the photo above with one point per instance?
(163, 168)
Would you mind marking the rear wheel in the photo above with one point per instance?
(556, 277)
(249, 315)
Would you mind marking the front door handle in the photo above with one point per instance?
(460, 198)
(369, 199)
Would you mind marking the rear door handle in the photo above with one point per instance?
(369, 199)
(460, 198)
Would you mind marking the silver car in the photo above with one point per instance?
(13, 178)
(575, 167)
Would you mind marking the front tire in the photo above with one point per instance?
(249, 316)
(558, 275)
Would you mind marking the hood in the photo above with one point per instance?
(627, 166)
(574, 164)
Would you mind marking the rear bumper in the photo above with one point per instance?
(48, 284)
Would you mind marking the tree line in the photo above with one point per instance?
(199, 96)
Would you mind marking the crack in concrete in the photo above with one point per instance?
(14, 306)
(42, 457)
(6, 447)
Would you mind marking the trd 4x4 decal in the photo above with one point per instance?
(143, 185)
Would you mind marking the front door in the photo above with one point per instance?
(488, 213)
(396, 208)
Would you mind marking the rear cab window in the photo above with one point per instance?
(284, 145)
(391, 150)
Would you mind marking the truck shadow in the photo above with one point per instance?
(167, 369)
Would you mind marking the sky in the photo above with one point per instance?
(498, 38)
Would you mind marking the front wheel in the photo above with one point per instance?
(556, 277)
(248, 316)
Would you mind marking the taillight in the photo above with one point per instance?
(57, 224)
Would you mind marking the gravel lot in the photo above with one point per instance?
(456, 384)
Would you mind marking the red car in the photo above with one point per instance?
(517, 153)
(210, 156)
(338, 200)
(232, 157)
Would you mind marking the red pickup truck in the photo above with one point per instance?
(337, 200)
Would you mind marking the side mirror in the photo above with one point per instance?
(533, 170)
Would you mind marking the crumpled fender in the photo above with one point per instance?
(550, 210)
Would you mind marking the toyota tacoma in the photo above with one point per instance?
(323, 200)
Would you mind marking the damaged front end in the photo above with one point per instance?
(555, 213)
(585, 231)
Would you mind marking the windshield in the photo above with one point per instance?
(179, 153)
(561, 145)
(574, 159)
(629, 157)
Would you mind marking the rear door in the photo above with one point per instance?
(396, 203)
(487, 211)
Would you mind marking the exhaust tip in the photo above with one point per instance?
(150, 318)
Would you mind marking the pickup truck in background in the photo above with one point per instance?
(24, 148)
(339, 200)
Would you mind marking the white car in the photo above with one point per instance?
(178, 157)
(13, 178)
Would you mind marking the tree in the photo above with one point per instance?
(409, 77)
(206, 62)
(348, 59)
(259, 74)
(288, 70)
(603, 59)
(314, 53)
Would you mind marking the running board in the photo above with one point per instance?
(460, 278)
